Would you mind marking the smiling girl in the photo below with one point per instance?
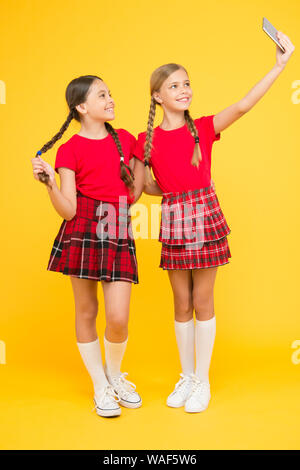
(97, 170)
(193, 229)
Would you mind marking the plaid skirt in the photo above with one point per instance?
(97, 243)
(193, 230)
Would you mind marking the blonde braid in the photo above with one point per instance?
(127, 178)
(148, 141)
(197, 157)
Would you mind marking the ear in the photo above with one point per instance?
(81, 108)
(157, 98)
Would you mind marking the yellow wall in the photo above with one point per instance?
(255, 167)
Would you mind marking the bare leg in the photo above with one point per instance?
(117, 302)
(182, 286)
(203, 292)
(86, 308)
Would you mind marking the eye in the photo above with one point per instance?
(188, 84)
(102, 94)
(173, 85)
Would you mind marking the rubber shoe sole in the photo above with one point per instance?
(107, 413)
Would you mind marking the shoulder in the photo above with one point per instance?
(206, 124)
(204, 121)
(123, 133)
(69, 145)
(141, 136)
(201, 120)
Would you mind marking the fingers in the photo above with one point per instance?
(285, 41)
(36, 173)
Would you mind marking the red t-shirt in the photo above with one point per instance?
(96, 163)
(172, 153)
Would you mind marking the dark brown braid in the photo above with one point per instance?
(193, 130)
(127, 178)
(43, 176)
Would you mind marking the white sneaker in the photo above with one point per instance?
(181, 392)
(106, 402)
(124, 389)
(199, 396)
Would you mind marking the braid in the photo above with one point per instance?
(193, 130)
(127, 178)
(43, 176)
(148, 141)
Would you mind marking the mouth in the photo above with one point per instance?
(185, 99)
(109, 110)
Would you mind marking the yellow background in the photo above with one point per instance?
(46, 393)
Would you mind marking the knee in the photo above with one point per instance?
(183, 309)
(88, 310)
(117, 323)
(203, 304)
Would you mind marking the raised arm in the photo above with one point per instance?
(225, 118)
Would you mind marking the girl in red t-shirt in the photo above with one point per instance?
(95, 242)
(193, 229)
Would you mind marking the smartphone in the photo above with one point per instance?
(271, 31)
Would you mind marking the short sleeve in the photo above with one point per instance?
(132, 141)
(138, 151)
(207, 124)
(65, 158)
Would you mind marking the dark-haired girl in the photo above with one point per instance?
(193, 229)
(95, 242)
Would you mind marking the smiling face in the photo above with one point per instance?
(99, 105)
(175, 93)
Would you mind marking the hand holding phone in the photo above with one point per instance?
(271, 32)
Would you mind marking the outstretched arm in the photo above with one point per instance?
(225, 118)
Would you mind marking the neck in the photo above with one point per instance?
(93, 130)
(172, 120)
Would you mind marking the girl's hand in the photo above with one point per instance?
(39, 165)
(283, 57)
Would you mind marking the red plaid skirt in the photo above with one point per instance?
(193, 230)
(97, 243)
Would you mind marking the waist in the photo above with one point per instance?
(194, 194)
(97, 209)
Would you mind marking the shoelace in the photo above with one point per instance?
(125, 384)
(108, 390)
(181, 383)
(198, 386)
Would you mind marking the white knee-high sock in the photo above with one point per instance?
(185, 333)
(91, 356)
(114, 353)
(205, 333)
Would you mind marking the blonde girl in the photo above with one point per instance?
(193, 229)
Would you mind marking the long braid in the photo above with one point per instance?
(197, 157)
(148, 140)
(43, 176)
(127, 178)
